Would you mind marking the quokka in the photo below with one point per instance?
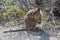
(32, 17)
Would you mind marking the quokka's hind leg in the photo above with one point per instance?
(30, 24)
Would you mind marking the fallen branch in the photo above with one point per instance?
(23, 30)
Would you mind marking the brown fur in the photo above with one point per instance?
(31, 18)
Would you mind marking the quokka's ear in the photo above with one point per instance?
(38, 9)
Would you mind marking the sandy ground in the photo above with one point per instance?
(25, 35)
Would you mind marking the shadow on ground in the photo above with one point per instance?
(38, 34)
